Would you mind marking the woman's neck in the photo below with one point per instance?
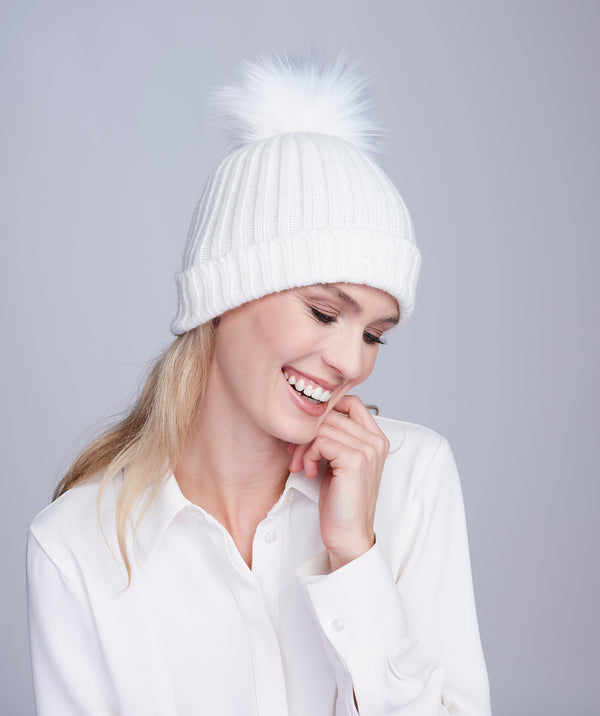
(233, 471)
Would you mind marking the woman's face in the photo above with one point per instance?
(271, 355)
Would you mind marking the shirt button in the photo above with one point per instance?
(271, 537)
(338, 624)
(289, 497)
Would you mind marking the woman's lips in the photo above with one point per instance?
(306, 404)
(310, 394)
(313, 393)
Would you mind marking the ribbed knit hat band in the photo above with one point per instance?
(294, 209)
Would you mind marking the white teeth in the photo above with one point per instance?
(307, 389)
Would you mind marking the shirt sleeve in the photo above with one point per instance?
(407, 644)
(70, 676)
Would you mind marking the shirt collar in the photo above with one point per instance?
(309, 487)
(168, 501)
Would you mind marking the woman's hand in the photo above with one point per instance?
(355, 449)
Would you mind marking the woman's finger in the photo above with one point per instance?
(354, 408)
(343, 422)
(323, 447)
(297, 461)
(367, 430)
(341, 431)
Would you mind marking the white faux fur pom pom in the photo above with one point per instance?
(276, 94)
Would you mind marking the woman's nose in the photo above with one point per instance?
(344, 354)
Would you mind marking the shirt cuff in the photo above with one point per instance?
(358, 607)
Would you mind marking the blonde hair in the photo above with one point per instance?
(149, 440)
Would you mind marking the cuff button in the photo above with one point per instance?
(338, 624)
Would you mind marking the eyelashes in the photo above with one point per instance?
(322, 317)
(326, 318)
(372, 338)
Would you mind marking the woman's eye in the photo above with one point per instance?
(322, 317)
(372, 338)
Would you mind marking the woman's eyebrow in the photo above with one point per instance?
(354, 305)
(348, 300)
(393, 320)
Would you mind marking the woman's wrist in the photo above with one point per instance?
(339, 558)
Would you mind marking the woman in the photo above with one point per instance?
(250, 540)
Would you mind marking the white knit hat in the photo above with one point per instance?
(298, 201)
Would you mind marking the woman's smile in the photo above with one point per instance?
(317, 390)
(302, 395)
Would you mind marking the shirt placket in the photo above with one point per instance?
(267, 551)
(256, 592)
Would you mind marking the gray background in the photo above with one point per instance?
(494, 109)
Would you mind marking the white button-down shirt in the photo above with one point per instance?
(199, 632)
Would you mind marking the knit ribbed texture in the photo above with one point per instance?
(293, 210)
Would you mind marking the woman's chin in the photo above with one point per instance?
(300, 435)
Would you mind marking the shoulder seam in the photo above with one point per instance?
(53, 562)
(442, 442)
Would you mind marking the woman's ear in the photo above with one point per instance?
(215, 321)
